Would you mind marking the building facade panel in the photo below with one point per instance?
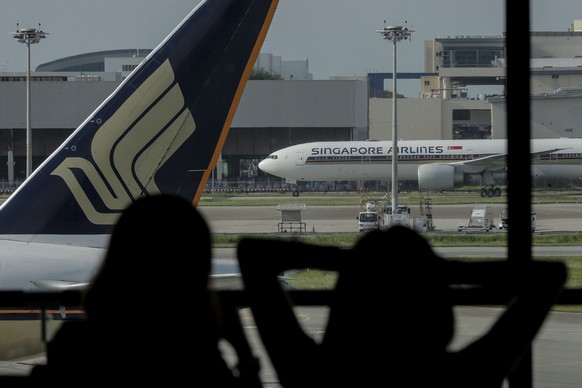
(556, 44)
(430, 118)
(271, 115)
(303, 104)
(552, 116)
(416, 118)
(53, 104)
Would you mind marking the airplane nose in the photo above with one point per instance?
(267, 166)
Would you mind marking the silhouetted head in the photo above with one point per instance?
(395, 287)
(160, 244)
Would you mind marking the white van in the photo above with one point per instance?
(504, 220)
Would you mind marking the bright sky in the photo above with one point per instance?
(338, 37)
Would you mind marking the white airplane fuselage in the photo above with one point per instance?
(56, 266)
(419, 160)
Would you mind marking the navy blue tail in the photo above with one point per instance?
(162, 130)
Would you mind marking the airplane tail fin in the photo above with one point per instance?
(160, 131)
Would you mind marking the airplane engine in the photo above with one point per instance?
(437, 177)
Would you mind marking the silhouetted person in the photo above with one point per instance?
(150, 315)
(391, 318)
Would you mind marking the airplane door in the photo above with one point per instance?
(299, 159)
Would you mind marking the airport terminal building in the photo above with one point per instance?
(278, 113)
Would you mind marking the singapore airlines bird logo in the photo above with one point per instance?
(130, 147)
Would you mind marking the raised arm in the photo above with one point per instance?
(293, 352)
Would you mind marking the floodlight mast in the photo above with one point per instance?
(395, 34)
(28, 36)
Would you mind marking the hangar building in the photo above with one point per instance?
(277, 113)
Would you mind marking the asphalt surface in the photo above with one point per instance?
(342, 219)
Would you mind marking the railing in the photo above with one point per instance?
(72, 299)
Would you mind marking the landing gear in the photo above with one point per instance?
(490, 192)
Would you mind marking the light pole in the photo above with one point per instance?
(394, 34)
(28, 36)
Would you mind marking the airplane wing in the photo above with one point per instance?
(444, 176)
(58, 285)
(495, 162)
